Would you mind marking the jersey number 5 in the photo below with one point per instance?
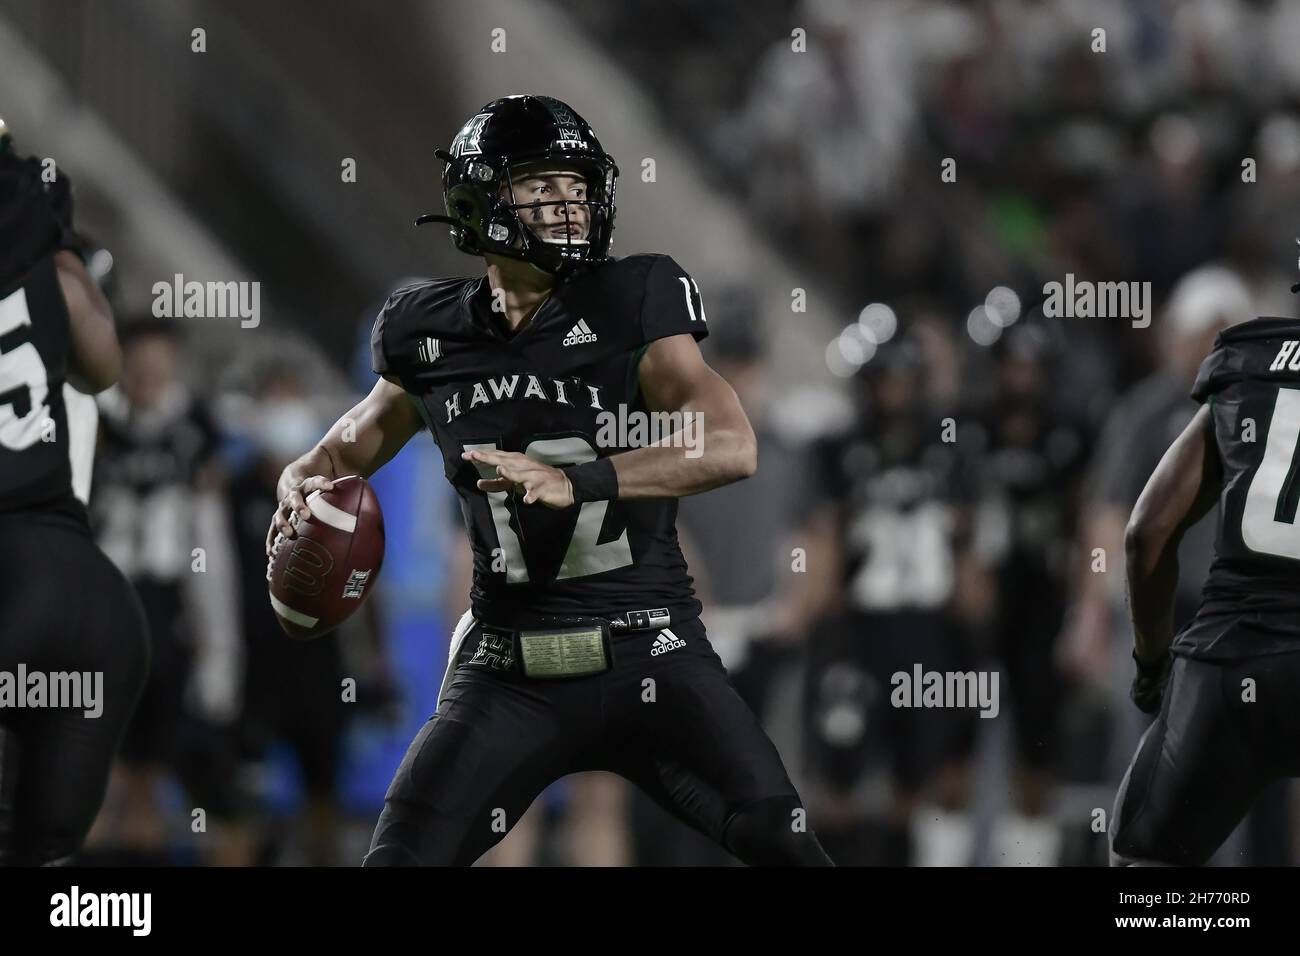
(23, 382)
(1268, 519)
(584, 556)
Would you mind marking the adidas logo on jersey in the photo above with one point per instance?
(665, 642)
(579, 334)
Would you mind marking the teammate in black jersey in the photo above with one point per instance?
(583, 648)
(64, 607)
(1229, 717)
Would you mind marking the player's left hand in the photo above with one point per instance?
(539, 482)
(1149, 685)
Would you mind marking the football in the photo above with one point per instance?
(319, 578)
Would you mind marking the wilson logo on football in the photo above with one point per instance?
(308, 565)
(579, 334)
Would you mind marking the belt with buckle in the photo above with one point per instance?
(569, 647)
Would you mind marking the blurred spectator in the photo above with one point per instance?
(293, 689)
(159, 510)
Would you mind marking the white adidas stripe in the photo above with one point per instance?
(292, 616)
(329, 514)
(582, 324)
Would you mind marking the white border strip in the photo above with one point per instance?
(329, 514)
(292, 616)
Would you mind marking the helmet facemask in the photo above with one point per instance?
(488, 219)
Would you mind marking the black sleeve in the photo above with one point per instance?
(672, 303)
(378, 349)
(1212, 374)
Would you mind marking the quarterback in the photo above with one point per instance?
(582, 649)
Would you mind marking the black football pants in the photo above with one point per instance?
(670, 722)
(64, 607)
(1226, 730)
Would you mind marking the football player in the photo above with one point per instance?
(159, 487)
(1224, 685)
(64, 607)
(891, 513)
(583, 648)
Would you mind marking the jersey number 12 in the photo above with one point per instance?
(584, 556)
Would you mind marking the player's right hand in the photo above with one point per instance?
(293, 507)
(1148, 688)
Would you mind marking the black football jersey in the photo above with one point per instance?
(146, 471)
(1251, 602)
(35, 467)
(548, 391)
(901, 489)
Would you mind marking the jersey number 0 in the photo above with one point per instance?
(1268, 519)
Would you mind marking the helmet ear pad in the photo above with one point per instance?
(467, 206)
(480, 217)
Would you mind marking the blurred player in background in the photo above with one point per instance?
(1032, 462)
(64, 607)
(889, 538)
(159, 496)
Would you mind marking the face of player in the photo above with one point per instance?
(561, 222)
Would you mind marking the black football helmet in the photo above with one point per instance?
(502, 139)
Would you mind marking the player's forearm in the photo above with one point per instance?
(666, 470)
(1182, 490)
(362, 441)
(333, 457)
(95, 362)
(1152, 573)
